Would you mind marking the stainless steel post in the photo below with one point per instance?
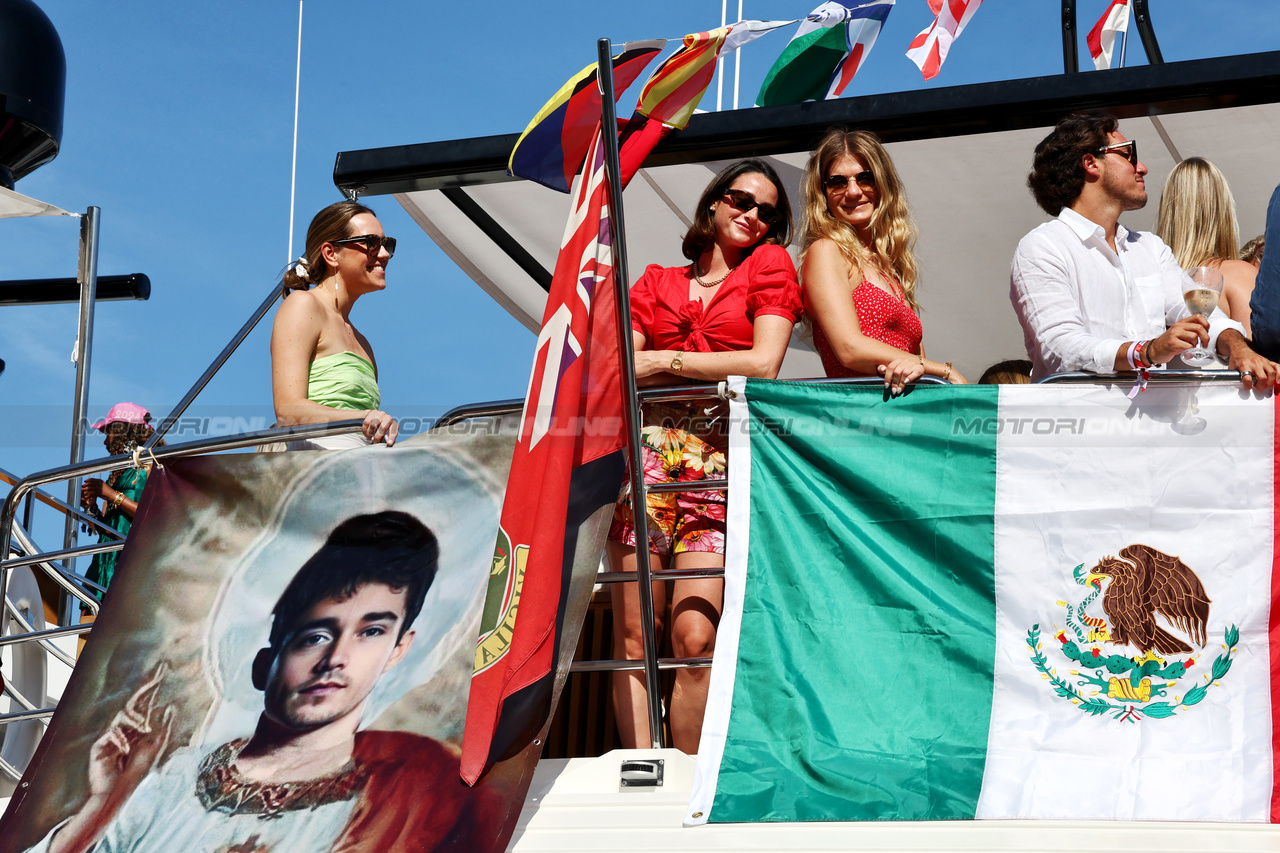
(170, 419)
(621, 283)
(87, 275)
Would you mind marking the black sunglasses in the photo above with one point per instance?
(835, 183)
(739, 200)
(372, 243)
(1119, 148)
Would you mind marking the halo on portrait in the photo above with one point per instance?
(460, 501)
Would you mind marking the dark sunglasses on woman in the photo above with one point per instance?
(837, 183)
(372, 243)
(743, 201)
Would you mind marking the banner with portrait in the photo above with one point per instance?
(283, 659)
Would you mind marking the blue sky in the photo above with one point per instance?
(178, 126)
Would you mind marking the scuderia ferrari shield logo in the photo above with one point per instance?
(502, 600)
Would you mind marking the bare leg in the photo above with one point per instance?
(630, 700)
(695, 613)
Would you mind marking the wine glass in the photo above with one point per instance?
(1201, 294)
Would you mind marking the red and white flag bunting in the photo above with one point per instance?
(929, 50)
(1102, 38)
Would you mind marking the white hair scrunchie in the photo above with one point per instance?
(300, 268)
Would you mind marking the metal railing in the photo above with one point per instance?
(14, 537)
(1155, 377)
(25, 491)
(77, 587)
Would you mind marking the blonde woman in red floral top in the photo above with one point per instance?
(729, 312)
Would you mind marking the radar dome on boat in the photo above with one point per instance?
(33, 82)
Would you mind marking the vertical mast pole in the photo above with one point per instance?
(724, 19)
(87, 275)
(293, 180)
(1070, 59)
(737, 64)
(621, 283)
(1124, 45)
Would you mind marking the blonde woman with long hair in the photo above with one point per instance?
(1197, 219)
(858, 274)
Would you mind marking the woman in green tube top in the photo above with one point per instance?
(322, 368)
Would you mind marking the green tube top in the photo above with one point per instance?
(343, 380)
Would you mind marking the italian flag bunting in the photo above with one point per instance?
(1046, 602)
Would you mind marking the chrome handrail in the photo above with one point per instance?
(683, 393)
(1173, 376)
(478, 410)
(50, 501)
(158, 454)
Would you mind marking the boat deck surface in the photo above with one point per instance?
(578, 804)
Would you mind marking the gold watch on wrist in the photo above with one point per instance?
(677, 363)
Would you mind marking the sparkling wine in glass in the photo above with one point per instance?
(1200, 290)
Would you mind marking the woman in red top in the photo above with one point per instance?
(729, 312)
(858, 270)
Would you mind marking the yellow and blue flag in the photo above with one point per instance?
(553, 146)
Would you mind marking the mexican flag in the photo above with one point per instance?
(1025, 601)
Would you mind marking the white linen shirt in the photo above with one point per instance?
(1078, 301)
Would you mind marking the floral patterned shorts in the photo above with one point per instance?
(677, 521)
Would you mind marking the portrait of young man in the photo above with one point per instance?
(308, 778)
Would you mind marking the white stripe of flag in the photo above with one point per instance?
(929, 50)
(864, 25)
(1102, 38)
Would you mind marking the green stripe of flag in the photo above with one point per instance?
(879, 679)
(804, 69)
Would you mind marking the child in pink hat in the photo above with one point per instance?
(127, 428)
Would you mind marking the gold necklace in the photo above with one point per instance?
(699, 280)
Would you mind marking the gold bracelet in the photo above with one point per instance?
(946, 376)
(116, 501)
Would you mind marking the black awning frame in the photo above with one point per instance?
(1231, 81)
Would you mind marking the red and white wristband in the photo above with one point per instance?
(1140, 364)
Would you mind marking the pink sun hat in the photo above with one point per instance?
(124, 413)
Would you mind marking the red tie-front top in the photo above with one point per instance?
(661, 310)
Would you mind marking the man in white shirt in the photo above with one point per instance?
(1092, 295)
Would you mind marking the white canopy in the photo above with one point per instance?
(968, 194)
(963, 153)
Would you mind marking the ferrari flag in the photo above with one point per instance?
(1006, 602)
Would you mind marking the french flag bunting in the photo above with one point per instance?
(929, 50)
(1102, 38)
